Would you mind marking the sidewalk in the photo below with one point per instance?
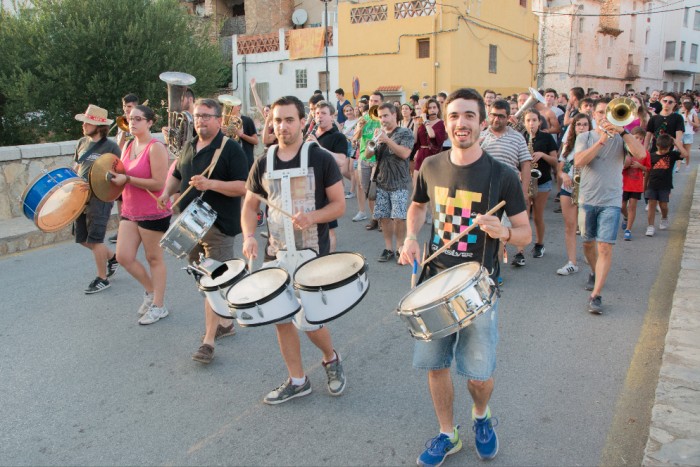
(674, 431)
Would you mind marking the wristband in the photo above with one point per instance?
(411, 237)
(128, 180)
(250, 235)
(600, 142)
(509, 234)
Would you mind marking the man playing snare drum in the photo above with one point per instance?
(460, 182)
(317, 197)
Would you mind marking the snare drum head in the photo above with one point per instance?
(233, 268)
(62, 205)
(329, 269)
(257, 286)
(444, 285)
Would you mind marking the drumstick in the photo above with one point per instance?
(250, 264)
(462, 234)
(414, 275)
(182, 196)
(277, 208)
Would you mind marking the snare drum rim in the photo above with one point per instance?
(226, 284)
(335, 285)
(262, 301)
(265, 323)
(442, 300)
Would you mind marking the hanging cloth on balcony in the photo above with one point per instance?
(306, 43)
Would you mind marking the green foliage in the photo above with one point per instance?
(62, 55)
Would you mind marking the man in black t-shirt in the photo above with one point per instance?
(222, 190)
(458, 183)
(667, 122)
(317, 197)
(661, 179)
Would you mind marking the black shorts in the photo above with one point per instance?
(91, 225)
(157, 225)
(333, 224)
(626, 195)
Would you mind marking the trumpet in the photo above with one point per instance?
(372, 144)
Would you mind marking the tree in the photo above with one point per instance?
(61, 55)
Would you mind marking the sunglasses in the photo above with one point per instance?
(668, 101)
(499, 116)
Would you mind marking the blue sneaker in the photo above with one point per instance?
(438, 448)
(624, 224)
(628, 235)
(500, 281)
(486, 441)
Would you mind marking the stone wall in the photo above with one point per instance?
(20, 165)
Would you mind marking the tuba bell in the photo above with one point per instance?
(230, 123)
(180, 121)
(534, 98)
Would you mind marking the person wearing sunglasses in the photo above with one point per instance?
(667, 122)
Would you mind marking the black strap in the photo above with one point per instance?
(491, 244)
(89, 150)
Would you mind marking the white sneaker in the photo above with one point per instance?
(646, 208)
(153, 314)
(147, 302)
(568, 268)
(658, 208)
(663, 225)
(650, 231)
(349, 195)
(359, 217)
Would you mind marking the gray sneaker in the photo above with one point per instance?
(153, 314)
(595, 305)
(147, 302)
(336, 376)
(591, 282)
(287, 391)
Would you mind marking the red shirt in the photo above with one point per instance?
(633, 179)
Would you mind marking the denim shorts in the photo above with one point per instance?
(474, 349)
(688, 139)
(546, 186)
(600, 223)
(391, 204)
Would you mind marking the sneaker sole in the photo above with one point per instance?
(202, 360)
(595, 312)
(151, 322)
(282, 401)
(90, 292)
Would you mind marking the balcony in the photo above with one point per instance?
(261, 43)
(632, 72)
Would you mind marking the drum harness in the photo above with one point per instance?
(292, 258)
(489, 243)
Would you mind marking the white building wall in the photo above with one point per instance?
(275, 69)
(679, 75)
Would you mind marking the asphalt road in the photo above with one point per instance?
(83, 384)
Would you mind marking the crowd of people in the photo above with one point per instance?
(441, 160)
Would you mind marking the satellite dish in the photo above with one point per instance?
(299, 16)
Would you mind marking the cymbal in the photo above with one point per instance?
(100, 177)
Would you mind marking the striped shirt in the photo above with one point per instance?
(510, 148)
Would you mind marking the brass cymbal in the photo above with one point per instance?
(100, 177)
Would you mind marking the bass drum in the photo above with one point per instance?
(55, 199)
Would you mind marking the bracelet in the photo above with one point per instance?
(600, 142)
(128, 180)
(509, 234)
(411, 237)
(250, 235)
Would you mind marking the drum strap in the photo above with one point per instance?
(215, 160)
(90, 149)
(491, 244)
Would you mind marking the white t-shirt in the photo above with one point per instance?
(688, 120)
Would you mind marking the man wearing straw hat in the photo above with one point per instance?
(459, 183)
(91, 226)
(222, 190)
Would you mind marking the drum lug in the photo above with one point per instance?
(324, 299)
(360, 286)
(257, 307)
(246, 316)
(290, 294)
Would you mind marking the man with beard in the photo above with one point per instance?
(458, 183)
(91, 226)
(306, 177)
(221, 188)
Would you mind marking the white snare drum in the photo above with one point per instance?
(263, 297)
(189, 228)
(215, 289)
(447, 302)
(330, 286)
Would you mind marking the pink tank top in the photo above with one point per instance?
(137, 204)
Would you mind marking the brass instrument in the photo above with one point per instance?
(180, 121)
(230, 124)
(535, 173)
(373, 113)
(534, 98)
(575, 185)
(122, 122)
(372, 144)
(620, 112)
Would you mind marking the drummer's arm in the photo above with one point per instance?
(249, 221)
(230, 188)
(520, 232)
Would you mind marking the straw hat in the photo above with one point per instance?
(95, 116)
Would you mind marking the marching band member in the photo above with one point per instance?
(142, 220)
(320, 198)
(461, 179)
(222, 190)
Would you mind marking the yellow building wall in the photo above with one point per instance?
(385, 53)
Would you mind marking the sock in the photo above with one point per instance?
(483, 416)
(298, 381)
(113, 258)
(452, 435)
(334, 359)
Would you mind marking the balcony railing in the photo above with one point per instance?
(261, 43)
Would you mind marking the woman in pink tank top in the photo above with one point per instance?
(142, 221)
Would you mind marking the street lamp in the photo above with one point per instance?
(325, 43)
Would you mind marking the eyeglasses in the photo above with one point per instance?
(137, 118)
(582, 124)
(498, 116)
(668, 101)
(204, 117)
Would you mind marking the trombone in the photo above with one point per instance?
(620, 112)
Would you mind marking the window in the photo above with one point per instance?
(633, 27)
(523, 3)
(681, 88)
(696, 21)
(578, 59)
(675, 86)
(301, 79)
(423, 48)
(646, 64)
(682, 51)
(609, 62)
(323, 81)
(693, 53)
(646, 37)
(493, 64)
(670, 50)
(685, 17)
(580, 25)
(664, 87)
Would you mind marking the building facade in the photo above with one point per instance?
(426, 46)
(616, 45)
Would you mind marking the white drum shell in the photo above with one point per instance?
(280, 305)
(217, 297)
(189, 228)
(448, 315)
